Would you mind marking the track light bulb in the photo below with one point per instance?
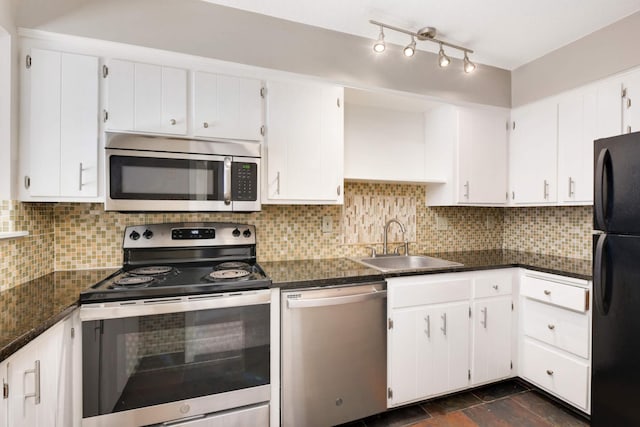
(410, 50)
(469, 66)
(443, 59)
(379, 46)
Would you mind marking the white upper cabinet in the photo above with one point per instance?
(59, 127)
(631, 101)
(304, 146)
(227, 107)
(609, 108)
(577, 129)
(533, 153)
(467, 148)
(146, 98)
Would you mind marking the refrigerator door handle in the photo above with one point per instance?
(603, 164)
(601, 294)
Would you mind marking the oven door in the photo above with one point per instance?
(159, 181)
(152, 361)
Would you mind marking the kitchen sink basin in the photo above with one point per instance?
(391, 263)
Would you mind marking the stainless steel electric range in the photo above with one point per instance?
(181, 333)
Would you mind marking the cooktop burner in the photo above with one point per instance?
(152, 270)
(132, 281)
(228, 274)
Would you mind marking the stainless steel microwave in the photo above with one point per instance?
(146, 173)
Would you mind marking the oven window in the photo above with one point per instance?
(135, 362)
(147, 178)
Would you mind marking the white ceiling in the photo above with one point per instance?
(503, 33)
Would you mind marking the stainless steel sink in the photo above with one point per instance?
(390, 263)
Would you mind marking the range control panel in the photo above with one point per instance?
(172, 235)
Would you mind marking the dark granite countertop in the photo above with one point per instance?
(29, 309)
(310, 273)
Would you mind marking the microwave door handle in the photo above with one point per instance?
(227, 180)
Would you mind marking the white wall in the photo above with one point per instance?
(199, 28)
(603, 53)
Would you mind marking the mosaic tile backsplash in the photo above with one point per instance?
(81, 235)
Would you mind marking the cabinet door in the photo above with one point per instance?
(405, 341)
(576, 132)
(305, 143)
(609, 108)
(452, 347)
(34, 393)
(4, 403)
(79, 126)
(491, 352)
(631, 102)
(227, 107)
(482, 156)
(44, 123)
(146, 98)
(533, 153)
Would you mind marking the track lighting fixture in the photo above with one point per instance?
(469, 66)
(424, 34)
(379, 45)
(410, 49)
(443, 59)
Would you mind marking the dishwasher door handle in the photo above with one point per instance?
(323, 302)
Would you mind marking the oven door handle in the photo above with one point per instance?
(171, 305)
(227, 180)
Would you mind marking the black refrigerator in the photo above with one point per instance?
(615, 374)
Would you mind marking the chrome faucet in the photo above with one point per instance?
(386, 232)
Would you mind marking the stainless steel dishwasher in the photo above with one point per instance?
(334, 354)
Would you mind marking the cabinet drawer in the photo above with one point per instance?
(409, 293)
(565, 329)
(492, 285)
(563, 295)
(558, 373)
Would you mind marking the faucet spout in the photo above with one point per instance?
(386, 233)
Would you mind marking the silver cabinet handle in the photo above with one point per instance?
(549, 372)
(444, 324)
(571, 183)
(484, 317)
(466, 191)
(36, 380)
(278, 183)
(205, 125)
(428, 330)
(547, 292)
(173, 122)
(227, 180)
(546, 189)
(338, 190)
(628, 129)
(628, 102)
(513, 195)
(27, 182)
(80, 178)
(495, 287)
(551, 327)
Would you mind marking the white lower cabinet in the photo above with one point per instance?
(447, 332)
(39, 380)
(555, 336)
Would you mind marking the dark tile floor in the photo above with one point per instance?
(508, 403)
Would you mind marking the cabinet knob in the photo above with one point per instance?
(205, 125)
(547, 292)
(495, 287)
(549, 372)
(173, 122)
(551, 327)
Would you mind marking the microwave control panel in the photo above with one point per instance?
(244, 181)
